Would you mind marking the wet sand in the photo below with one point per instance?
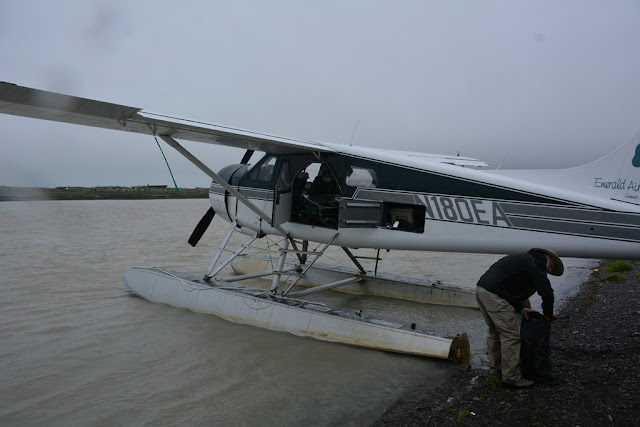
(595, 348)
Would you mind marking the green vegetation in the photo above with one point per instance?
(618, 266)
(462, 415)
(614, 271)
(613, 277)
(494, 380)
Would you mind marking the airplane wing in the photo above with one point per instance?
(23, 101)
(418, 159)
(452, 160)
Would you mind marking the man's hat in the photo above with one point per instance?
(558, 266)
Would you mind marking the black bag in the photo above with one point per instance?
(535, 349)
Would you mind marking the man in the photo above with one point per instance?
(500, 294)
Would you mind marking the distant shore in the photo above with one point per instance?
(106, 193)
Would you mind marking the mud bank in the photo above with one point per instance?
(596, 363)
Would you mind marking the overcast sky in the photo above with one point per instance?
(535, 84)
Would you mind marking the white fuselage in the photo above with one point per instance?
(467, 223)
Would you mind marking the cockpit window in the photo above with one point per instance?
(264, 171)
(360, 177)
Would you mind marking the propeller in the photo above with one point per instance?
(205, 221)
(201, 227)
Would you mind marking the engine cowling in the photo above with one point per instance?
(218, 197)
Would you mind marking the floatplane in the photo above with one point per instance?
(358, 197)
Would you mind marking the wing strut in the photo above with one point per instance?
(193, 159)
(246, 157)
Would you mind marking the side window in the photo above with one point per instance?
(264, 172)
(360, 177)
(284, 178)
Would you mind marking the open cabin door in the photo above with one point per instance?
(316, 195)
(283, 196)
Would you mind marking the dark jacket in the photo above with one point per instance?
(517, 277)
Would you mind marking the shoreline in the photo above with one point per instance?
(145, 192)
(595, 354)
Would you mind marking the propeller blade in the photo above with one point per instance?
(208, 216)
(201, 227)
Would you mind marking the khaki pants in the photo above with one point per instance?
(503, 336)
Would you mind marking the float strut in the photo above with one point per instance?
(208, 275)
(281, 260)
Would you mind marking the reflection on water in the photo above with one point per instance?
(78, 348)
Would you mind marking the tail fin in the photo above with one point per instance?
(615, 176)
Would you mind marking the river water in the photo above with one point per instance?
(77, 348)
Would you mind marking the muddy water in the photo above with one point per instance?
(76, 348)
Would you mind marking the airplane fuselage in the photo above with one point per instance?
(443, 208)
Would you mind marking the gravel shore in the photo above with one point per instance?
(595, 348)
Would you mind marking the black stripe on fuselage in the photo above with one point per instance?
(256, 193)
(591, 229)
(248, 192)
(418, 180)
(576, 221)
(596, 216)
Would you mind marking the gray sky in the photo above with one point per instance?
(529, 84)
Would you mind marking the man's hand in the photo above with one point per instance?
(551, 318)
(525, 312)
